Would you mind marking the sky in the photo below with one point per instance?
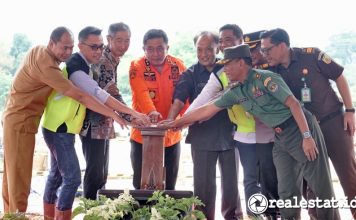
(308, 22)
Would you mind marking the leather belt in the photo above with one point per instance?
(330, 116)
(279, 128)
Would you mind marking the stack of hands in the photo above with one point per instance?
(153, 119)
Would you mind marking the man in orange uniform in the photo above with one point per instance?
(153, 78)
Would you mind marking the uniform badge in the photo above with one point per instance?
(267, 80)
(258, 76)
(273, 87)
(265, 66)
(149, 76)
(326, 59)
(152, 94)
(308, 50)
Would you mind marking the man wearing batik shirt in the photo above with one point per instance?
(98, 129)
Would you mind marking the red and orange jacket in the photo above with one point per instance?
(153, 91)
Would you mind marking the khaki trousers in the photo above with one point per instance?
(18, 159)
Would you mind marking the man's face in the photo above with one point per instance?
(119, 43)
(228, 39)
(271, 52)
(256, 56)
(63, 48)
(233, 69)
(206, 51)
(156, 51)
(92, 48)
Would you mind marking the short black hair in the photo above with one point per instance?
(213, 35)
(155, 33)
(237, 31)
(58, 32)
(89, 30)
(277, 36)
(116, 27)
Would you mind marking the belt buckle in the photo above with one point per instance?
(278, 130)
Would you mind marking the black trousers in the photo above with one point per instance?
(96, 154)
(171, 163)
(205, 182)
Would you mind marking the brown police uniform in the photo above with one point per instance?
(312, 69)
(33, 83)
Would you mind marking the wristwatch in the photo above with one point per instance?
(306, 134)
(350, 110)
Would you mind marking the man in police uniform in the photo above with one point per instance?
(299, 149)
(266, 171)
(254, 42)
(307, 72)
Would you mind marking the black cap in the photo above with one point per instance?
(239, 51)
(253, 39)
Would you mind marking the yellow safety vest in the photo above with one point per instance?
(63, 109)
(237, 114)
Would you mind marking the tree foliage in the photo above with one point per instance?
(343, 47)
(5, 82)
(20, 45)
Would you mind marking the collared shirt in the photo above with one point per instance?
(317, 68)
(214, 134)
(262, 94)
(33, 83)
(105, 74)
(153, 91)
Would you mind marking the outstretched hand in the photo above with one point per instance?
(171, 124)
(122, 122)
(140, 120)
(154, 116)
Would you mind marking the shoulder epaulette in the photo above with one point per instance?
(263, 66)
(308, 50)
(257, 75)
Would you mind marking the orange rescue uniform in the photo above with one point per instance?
(153, 91)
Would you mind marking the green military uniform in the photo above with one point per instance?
(263, 94)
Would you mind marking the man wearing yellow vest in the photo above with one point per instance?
(34, 81)
(63, 118)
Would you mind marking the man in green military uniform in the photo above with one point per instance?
(299, 149)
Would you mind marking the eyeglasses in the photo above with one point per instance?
(266, 51)
(94, 47)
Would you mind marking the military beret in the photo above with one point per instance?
(253, 39)
(239, 51)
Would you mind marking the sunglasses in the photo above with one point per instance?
(94, 47)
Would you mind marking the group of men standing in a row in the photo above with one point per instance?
(279, 143)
